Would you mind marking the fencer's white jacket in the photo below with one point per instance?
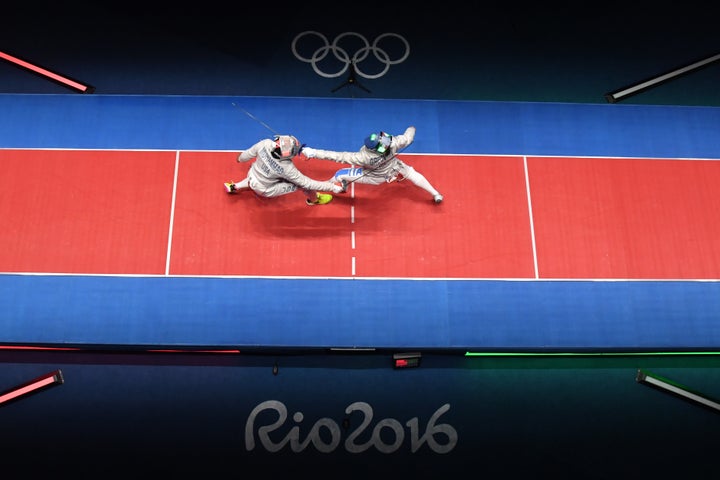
(267, 170)
(385, 165)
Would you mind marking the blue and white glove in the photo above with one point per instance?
(309, 152)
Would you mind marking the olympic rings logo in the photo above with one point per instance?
(341, 54)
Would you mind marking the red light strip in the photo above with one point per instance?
(76, 349)
(46, 73)
(27, 347)
(32, 386)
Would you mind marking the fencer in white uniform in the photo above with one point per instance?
(273, 172)
(377, 162)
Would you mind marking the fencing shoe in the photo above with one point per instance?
(230, 187)
(438, 198)
(322, 199)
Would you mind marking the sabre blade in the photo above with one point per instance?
(254, 118)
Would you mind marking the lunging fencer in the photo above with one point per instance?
(377, 162)
(273, 172)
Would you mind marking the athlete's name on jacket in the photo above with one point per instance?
(269, 161)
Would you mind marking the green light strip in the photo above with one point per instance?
(576, 354)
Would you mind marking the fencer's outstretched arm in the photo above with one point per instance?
(292, 174)
(364, 156)
(352, 158)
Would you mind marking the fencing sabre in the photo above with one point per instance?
(254, 118)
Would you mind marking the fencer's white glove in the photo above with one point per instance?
(339, 188)
(309, 152)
